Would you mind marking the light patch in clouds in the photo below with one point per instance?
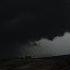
(48, 48)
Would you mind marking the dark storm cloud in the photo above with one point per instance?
(32, 22)
(24, 22)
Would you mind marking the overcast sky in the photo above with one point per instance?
(39, 21)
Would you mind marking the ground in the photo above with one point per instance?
(52, 63)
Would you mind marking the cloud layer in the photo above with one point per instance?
(48, 48)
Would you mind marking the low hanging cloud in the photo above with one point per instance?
(47, 48)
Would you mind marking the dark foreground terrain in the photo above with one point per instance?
(51, 63)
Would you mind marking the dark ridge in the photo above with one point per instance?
(57, 57)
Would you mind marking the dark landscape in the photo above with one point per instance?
(23, 22)
(46, 63)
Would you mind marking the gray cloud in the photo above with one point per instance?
(48, 48)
